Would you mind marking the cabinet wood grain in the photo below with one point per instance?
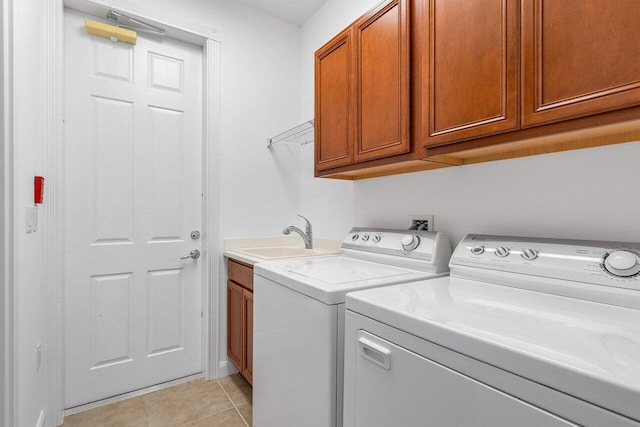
(234, 323)
(471, 69)
(579, 58)
(240, 317)
(383, 71)
(362, 91)
(247, 366)
(334, 102)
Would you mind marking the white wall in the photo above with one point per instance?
(329, 203)
(30, 116)
(5, 230)
(260, 82)
(586, 194)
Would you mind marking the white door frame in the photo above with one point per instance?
(54, 245)
(6, 218)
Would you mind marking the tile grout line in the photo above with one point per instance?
(203, 416)
(233, 403)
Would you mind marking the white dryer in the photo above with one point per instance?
(299, 319)
(524, 332)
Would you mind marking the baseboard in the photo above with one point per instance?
(226, 368)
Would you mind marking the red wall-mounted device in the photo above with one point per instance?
(38, 189)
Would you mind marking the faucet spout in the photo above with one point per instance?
(307, 235)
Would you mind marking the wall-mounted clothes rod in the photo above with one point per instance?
(301, 134)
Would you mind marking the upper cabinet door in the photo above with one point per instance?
(579, 58)
(470, 61)
(382, 42)
(334, 102)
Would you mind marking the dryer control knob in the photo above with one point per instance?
(622, 263)
(501, 251)
(365, 237)
(410, 242)
(529, 254)
(377, 238)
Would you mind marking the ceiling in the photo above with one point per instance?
(295, 11)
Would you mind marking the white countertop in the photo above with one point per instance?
(240, 249)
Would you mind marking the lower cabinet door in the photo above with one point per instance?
(247, 365)
(235, 302)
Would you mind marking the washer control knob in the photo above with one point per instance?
(377, 238)
(410, 242)
(501, 251)
(477, 250)
(622, 263)
(365, 237)
(529, 254)
(355, 237)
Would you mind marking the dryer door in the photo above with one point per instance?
(390, 386)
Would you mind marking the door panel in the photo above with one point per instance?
(133, 194)
(334, 103)
(112, 161)
(111, 324)
(382, 42)
(472, 69)
(579, 58)
(166, 311)
(234, 323)
(247, 297)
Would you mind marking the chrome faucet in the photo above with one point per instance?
(307, 236)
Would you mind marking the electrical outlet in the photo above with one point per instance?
(422, 222)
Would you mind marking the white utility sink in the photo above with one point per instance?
(284, 252)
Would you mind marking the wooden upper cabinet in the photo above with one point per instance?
(334, 102)
(382, 41)
(579, 58)
(470, 62)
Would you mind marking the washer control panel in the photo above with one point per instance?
(405, 243)
(603, 263)
(419, 250)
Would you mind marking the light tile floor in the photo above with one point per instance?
(224, 402)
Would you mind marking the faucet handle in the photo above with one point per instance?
(308, 224)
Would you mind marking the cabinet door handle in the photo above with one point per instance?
(375, 353)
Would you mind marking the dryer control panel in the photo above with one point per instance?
(596, 266)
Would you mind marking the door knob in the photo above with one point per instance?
(195, 254)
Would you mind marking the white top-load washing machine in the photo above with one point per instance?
(298, 339)
(524, 332)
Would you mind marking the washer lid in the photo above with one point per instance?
(329, 279)
(585, 349)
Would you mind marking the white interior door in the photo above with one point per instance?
(133, 194)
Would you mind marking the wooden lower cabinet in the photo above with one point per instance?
(240, 318)
(247, 366)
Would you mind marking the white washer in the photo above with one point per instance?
(526, 332)
(299, 319)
